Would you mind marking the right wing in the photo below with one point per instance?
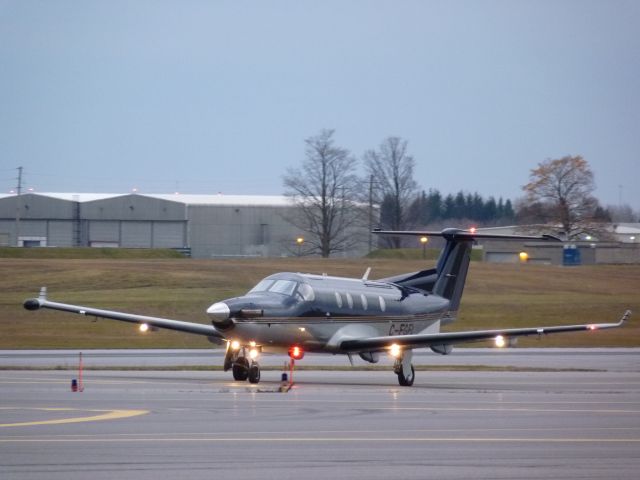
(372, 344)
(181, 326)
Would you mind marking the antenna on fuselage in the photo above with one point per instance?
(365, 277)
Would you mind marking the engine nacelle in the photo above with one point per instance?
(445, 349)
(371, 357)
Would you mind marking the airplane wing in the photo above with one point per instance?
(437, 339)
(181, 326)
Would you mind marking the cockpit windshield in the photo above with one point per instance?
(285, 287)
(262, 286)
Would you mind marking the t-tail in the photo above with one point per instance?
(447, 279)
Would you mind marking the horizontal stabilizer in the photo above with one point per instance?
(458, 234)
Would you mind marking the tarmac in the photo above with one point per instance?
(341, 424)
(610, 359)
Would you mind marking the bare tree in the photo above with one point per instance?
(562, 189)
(392, 169)
(324, 191)
(622, 213)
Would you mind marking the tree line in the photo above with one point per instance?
(431, 207)
(331, 198)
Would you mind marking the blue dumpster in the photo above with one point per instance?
(570, 256)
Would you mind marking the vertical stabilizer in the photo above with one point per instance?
(453, 266)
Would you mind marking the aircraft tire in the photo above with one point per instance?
(254, 373)
(406, 382)
(241, 369)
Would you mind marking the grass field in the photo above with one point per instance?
(495, 296)
(86, 253)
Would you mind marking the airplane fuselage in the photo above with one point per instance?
(317, 312)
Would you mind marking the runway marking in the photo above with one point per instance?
(109, 415)
(505, 410)
(66, 381)
(322, 439)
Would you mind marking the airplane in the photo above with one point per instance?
(296, 313)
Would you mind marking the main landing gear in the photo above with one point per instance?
(404, 369)
(241, 367)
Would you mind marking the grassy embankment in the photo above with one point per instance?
(496, 296)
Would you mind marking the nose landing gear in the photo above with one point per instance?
(236, 360)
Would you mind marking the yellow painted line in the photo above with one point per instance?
(108, 415)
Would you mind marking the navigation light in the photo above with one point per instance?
(296, 352)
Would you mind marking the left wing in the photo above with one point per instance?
(181, 326)
(436, 339)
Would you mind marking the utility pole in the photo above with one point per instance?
(370, 212)
(18, 206)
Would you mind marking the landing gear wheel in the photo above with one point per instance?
(408, 381)
(254, 373)
(241, 369)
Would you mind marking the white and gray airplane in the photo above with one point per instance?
(296, 313)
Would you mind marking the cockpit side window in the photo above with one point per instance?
(306, 292)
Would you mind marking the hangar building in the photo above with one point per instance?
(206, 226)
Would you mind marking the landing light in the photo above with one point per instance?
(144, 327)
(395, 350)
(235, 345)
(500, 341)
(592, 327)
(253, 353)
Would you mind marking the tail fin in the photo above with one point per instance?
(453, 266)
(450, 274)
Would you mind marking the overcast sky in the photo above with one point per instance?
(218, 96)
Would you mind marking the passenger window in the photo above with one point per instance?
(364, 301)
(338, 300)
(383, 305)
(349, 300)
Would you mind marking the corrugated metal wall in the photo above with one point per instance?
(146, 222)
(219, 231)
(101, 231)
(60, 233)
(169, 234)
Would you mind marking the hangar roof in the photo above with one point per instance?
(188, 199)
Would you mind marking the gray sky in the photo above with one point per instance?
(218, 96)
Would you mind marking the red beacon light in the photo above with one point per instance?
(296, 352)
